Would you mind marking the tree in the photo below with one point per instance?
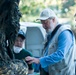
(67, 4)
(9, 26)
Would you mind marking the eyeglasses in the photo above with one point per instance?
(46, 21)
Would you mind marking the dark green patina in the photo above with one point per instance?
(9, 27)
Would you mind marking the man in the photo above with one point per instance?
(21, 53)
(58, 54)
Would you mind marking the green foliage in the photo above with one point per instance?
(31, 9)
(66, 5)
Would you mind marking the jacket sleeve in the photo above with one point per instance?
(64, 44)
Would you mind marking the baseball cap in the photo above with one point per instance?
(46, 13)
(21, 34)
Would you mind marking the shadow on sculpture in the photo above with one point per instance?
(9, 27)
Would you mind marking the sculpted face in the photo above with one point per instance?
(19, 42)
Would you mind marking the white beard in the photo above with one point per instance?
(17, 49)
(51, 28)
(49, 31)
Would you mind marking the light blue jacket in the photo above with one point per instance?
(64, 44)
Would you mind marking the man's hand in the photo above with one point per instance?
(32, 60)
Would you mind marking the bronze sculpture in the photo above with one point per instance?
(9, 27)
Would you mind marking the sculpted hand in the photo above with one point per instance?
(32, 60)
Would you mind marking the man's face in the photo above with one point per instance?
(47, 24)
(19, 42)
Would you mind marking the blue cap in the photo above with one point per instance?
(21, 34)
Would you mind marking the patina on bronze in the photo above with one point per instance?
(9, 27)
